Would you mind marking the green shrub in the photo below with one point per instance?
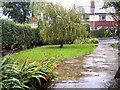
(18, 36)
(103, 32)
(87, 27)
(87, 40)
(107, 33)
(27, 77)
(97, 33)
(93, 40)
(79, 41)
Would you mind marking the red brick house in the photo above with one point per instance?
(98, 17)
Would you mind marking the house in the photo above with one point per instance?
(98, 17)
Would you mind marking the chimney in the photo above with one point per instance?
(92, 7)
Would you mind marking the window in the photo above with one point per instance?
(102, 17)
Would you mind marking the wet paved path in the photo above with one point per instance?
(92, 71)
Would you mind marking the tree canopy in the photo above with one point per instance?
(116, 5)
(60, 24)
(18, 11)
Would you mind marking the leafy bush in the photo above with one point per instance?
(87, 27)
(28, 77)
(98, 33)
(103, 32)
(93, 40)
(18, 36)
(79, 41)
(87, 40)
(107, 33)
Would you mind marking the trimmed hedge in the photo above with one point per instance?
(97, 33)
(18, 36)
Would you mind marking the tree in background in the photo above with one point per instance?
(116, 5)
(60, 24)
(18, 11)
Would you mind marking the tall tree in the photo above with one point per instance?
(116, 5)
(18, 11)
(61, 24)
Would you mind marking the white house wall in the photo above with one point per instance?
(94, 18)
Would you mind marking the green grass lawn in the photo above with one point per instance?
(43, 52)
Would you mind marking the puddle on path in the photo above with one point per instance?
(92, 71)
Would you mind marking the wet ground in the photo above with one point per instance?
(95, 70)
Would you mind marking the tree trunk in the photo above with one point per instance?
(61, 44)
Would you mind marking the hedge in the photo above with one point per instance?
(97, 33)
(103, 32)
(18, 36)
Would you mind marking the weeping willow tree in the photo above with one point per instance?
(60, 24)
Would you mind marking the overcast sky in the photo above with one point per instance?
(69, 3)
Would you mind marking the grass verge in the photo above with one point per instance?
(46, 52)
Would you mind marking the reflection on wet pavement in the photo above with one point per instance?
(92, 71)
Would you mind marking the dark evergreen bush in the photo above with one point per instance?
(103, 32)
(87, 27)
(18, 36)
